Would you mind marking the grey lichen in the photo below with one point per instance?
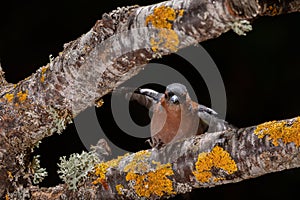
(60, 119)
(37, 144)
(38, 173)
(76, 168)
(20, 159)
(241, 27)
(19, 194)
(182, 188)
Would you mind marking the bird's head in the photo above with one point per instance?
(176, 93)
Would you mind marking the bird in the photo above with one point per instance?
(175, 115)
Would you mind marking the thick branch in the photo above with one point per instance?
(204, 161)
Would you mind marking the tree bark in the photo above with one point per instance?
(202, 161)
(113, 51)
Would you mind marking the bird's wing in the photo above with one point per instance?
(145, 97)
(202, 108)
(152, 94)
(210, 117)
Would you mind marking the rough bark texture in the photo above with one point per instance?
(203, 161)
(114, 50)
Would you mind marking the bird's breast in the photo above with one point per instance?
(172, 123)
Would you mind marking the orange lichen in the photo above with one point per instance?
(287, 132)
(119, 188)
(9, 97)
(138, 163)
(273, 10)
(146, 181)
(163, 18)
(218, 158)
(167, 39)
(181, 12)
(43, 70)
(115, 162)
(42, 78)
(10, 176)
(22, 96)
(6, 196)
(99, 103)
(216, 179)
(101, 169)
(154, 182)
(149, 180)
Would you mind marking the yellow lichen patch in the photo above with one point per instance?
(167, 39)
(119, 188)
(10, 176)
(99, 103)
(147, 181)
(22, 96)
(273, 10)
(281, 130)
(43, 70)
(9, 97)
(216, 179)
(181, 12)
(42, 78)
(138, 163)
(153, 182)
(6, 197)
(27, 78)
(115, 162)
(101, 169)
(163, 18)
(218, 158)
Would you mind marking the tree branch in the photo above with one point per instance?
(113, 51)
(203, 161)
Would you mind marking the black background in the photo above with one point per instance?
(260, 72)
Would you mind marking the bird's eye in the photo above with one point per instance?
(169, 94)
(174, 99)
